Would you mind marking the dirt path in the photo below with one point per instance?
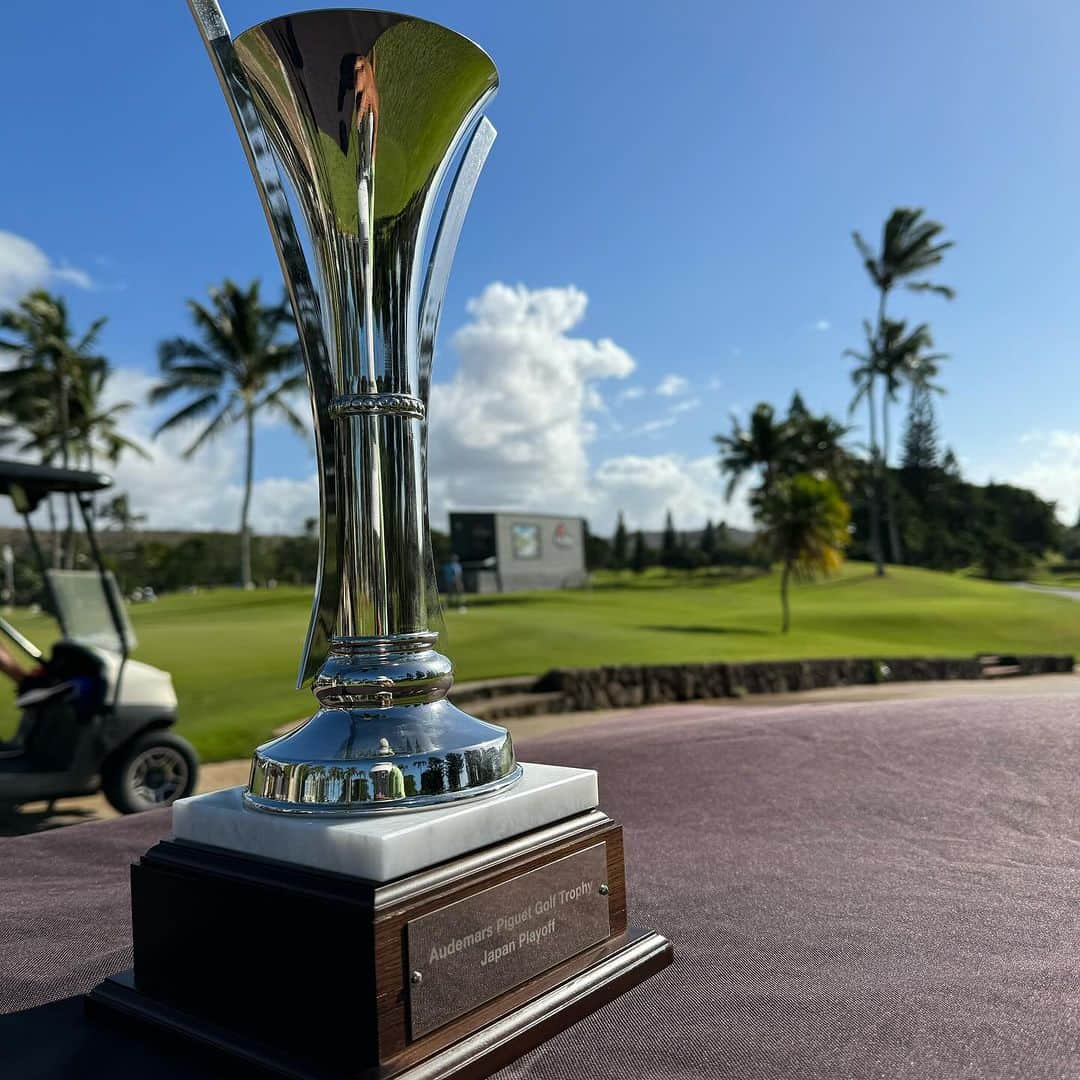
(34, 817)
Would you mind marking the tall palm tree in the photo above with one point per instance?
(895, 355)
(923, 368)
(804, 526)
(761, 445)
(240, 365)
(49, 370)
(864, 376)
(910, 246)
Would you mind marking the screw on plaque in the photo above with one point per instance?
(604, 890)
(416, 978)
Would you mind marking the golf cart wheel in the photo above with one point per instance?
(153, 770)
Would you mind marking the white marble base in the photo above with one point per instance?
(381, 848)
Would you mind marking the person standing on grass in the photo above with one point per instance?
(453, 582)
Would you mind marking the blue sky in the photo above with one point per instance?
(693, 169)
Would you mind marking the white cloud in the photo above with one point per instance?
(24, 266)
(822, 325)
(1050, 467)
(631, 393)
(646, 487)
(73, 276)
(716, 383)
(511, 427)
(672, 386)
(203, 493)
(674, 410)
(650, 427)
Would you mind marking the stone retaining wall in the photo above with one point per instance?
(636, 684)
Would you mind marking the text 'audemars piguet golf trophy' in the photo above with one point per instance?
(310, 924)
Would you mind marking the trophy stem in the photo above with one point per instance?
(379, 443)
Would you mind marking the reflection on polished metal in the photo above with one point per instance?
(377, 121)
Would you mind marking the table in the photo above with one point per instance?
(853, 890)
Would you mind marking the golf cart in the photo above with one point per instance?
(91, 719)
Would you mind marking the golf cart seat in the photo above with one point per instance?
(42, 763)
(51, 737)
(70, 661)
(58, 709)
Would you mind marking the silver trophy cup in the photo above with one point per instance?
(376, 120)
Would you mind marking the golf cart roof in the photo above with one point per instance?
(37, 481)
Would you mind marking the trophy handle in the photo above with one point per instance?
(446, 240)
(431, 300)
(305, 302)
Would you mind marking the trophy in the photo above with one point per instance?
(371, 116)
(306, 924)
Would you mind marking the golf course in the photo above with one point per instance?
(233, 654)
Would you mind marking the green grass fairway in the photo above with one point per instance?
(233, 655)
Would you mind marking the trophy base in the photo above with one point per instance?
(452, 971)
(390, 846)
(631, 960)
(352, 761)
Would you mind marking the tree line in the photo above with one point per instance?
(712, 546)
(815, 498)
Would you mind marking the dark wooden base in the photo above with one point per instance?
(298, 972)
(616, 968)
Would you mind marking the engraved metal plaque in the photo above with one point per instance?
(471, 951)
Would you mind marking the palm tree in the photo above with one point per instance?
(40, 391)
(910, 245)
(117, 513)
(922, 368)
(864, 376)
(817, 446)
(804, 526)
(763, 445)
(96, 426)
(238, 367)
(50, 398)
(895, 355)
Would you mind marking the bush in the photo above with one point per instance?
(1002, 559)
